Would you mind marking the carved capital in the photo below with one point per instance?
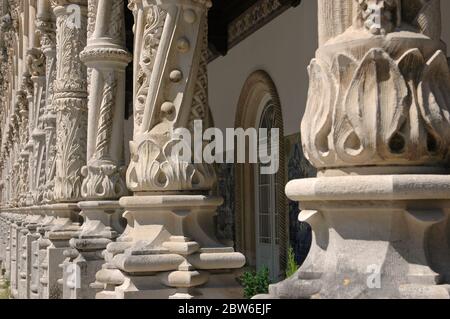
(103, 180)
(379, 97)
(170, 92)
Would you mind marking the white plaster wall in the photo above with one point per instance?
(284, 49)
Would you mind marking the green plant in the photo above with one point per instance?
(4, 289)
(292, 266)
(255, 283)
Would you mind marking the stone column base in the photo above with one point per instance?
(62, 230)
(103, 223)
(219, 286)
(380, 236)
(169, 250)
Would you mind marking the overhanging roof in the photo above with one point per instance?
(231, 21)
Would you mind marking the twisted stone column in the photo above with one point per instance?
(104, 175)
(377, 128)
(169, 249)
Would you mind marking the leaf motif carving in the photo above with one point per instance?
(434, 101)
(158, 168)
(376, 105)
(317, 122)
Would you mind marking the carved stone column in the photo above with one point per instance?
(106, 57)
(70, 104)
(377, 127)
(169, 249)
(23, 148)
(70, 99)
(46, 26)
(36, 63)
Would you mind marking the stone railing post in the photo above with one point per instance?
(377, 127)
(170, 232)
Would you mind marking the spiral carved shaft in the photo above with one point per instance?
(107, 58)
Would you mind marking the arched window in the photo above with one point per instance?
(266, 206)
(261, 221)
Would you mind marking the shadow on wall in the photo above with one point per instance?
(298, 167)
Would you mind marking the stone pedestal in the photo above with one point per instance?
(27, 237)
(15, 255)
(8, 247)
(39, 252)
(102, 224)
(63, 229)
(376, 236)
(4, 233)
(163, 260)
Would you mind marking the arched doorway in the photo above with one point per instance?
(261, 223)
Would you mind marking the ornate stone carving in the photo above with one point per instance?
(378, 103)
(70, 101)
(249, 20)
(47, 30)
(168, 96)
(107, 57)
(384, 16)
(37, 66)
(36, 62)
(169, 240)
